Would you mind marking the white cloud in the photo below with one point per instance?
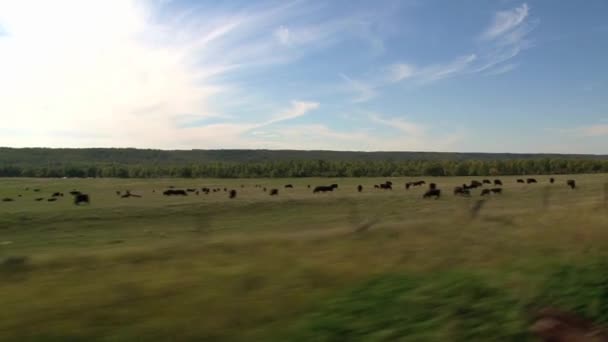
(409, 128)
(364, 91)
(400, 71)
(506, 21)
(282, 35)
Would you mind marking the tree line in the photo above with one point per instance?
(309, 168)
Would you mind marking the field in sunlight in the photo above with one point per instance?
(379, 265)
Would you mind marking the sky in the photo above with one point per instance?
(409, 75)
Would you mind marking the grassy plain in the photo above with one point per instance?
(372, 266)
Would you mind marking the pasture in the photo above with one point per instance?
(376, 265)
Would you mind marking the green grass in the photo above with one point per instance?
(378, 265)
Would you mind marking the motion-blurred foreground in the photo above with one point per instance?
(342, 265)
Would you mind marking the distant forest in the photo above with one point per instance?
(137, 163)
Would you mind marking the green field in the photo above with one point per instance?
(372, 266)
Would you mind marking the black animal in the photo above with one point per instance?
(191, 190)
(288, 186)
(459, 190)
(531, 180)
(386, 186)
(171, 187)
(496, 190)
(407, 185)
(309, 186)
(225, 189)
(388, 182)
(75, 192)
(486, 181)
(322, 188)
(571, 183)
(39, 199)
(551, 180)
(7, 199)
(432, 193)
(475, 184)
(36, 190)
(232, 194)
(432, 186)
(52, 199)
(520, 181)
(274, 192)
(205, 190)
(57, 194)
(81, 199)
(359, 188)
(129, 194)
(485, 192)
(497, 182)
(175, 192)
(117, 193)
(376, 186)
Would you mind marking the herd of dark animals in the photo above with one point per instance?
(432, 192)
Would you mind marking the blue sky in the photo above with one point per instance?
(469, 75)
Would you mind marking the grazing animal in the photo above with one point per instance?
(551, 180)
(461, 191)
(232, 194)
(496, 190)
(571, 183)
(264, 189)
(288, 186)
(75, 192)
(485, 192)
(39, 199)
(407, 185)
(129, 194)
(225, 189)
(520, 181)
(117, 193)
(36, 190)
(432, 193)
(171, 187)
(81, 198)
(322, 188)
(476, 184)
(191, 190)
(172, 192)
(274, 192)
(486, 181)
(432, 186)
(418, 183)
(376, 186)
(386, 186)
(309, 186)
(497, 182)
(52, 199)
(531, 180)
(57, 194)
(359, 188)
(7, 199)
(389, 183)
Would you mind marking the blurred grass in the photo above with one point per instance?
(296, 266)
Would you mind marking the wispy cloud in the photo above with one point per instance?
(506, 21)
(409, 128)
(503, 40)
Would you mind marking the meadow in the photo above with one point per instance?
(378, 265)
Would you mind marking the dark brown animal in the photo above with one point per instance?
(52, 199)
(496, 190)
(476, 184)
(531, 180)
(322, 188)
(432, 193)
(551, 180)
(57, 194)
(81, 199)
(359, 188)
(288, 186)
(175, 192)
(497, 182)
(232, 194)
(485, 192)
(461, 191)
(39, 199)
(571, 183)
(432, 186)
(486, 181)
(7, 199)
(274, 192)
(520, 181)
